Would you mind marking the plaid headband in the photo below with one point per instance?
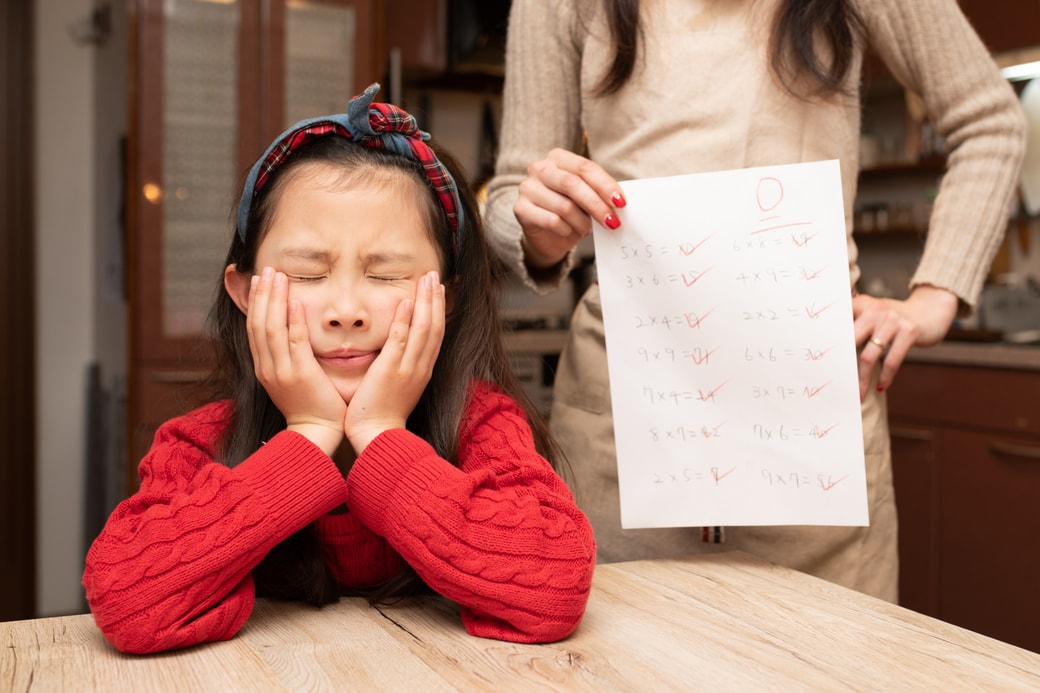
(377, 125)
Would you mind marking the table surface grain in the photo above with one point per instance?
(724, 622)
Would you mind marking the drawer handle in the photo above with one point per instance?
(1026, 451)
(178, 376)
(911, 433)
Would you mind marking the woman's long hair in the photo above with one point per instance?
(793, 50)
(472, 349)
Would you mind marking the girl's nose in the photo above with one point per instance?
(334, 322)
(346, 309)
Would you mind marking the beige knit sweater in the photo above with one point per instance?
(703, 98)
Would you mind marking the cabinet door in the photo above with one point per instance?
(990, 521)
(915, 457)
(212, 83)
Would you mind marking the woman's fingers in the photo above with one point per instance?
(556, 201)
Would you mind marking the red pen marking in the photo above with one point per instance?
(813, 313)
(814, 275)
(811, 392)
(804, 242)
(781, 226)
(706, 397)
(695, 279)
(687, 249)
(828, 487)
(817, 433)
(697, 322)
(817, 355)
(719, 477)
(701, 359)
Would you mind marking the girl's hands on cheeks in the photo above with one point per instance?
(923, 319)
(285, 365)
(557, 199)
(396, 379)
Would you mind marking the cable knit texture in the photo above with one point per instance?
(703, 98)
(500, 534)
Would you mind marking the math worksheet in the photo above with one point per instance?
(728, 316)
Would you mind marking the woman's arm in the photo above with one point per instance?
(541, 111)
(171, 567)
(932, 50)
(501, 534)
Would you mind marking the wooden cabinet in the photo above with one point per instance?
(966, 461)
(211, 85)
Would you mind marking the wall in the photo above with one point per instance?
(78, 324)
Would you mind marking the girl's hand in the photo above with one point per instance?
(556, 200)
(396, 379)
(285, 365)
(888, 328)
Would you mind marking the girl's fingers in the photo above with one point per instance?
(427, 326)
(277, 322)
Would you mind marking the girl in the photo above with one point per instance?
(683, 86)
(350, 451)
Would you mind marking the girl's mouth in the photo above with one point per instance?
(347, 359)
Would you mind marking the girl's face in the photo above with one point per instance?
(351, 255)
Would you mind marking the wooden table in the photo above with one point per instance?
(717, 623)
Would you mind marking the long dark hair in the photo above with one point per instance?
(472, 349)
(793, 50)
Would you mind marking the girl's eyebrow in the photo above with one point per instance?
(388, 257)
(306, 253)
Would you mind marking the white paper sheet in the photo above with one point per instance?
(732, 362)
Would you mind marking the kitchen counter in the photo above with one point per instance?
(985, 354)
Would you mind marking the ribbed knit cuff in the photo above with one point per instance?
(395, 469)
(294, 479)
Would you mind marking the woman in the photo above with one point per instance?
(670, 87)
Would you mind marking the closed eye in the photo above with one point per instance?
(302, 278)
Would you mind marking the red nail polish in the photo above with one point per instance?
(618, 199)
(611, 222)
(880, 389)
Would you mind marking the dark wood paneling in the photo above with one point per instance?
(17, 347)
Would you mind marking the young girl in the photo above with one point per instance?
(350, 451)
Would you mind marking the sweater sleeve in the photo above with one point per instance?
(933, 51)
(171, 566)
(500, 534)
(542, 66)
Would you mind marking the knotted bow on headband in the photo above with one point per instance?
(377, 125)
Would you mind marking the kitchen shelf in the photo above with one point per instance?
(932, 165)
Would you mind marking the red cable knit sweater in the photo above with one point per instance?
(500, 534)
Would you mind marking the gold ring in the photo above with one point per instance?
(878, 343)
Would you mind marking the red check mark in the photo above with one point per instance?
(701, 359)
(811, 392)
(691, 282)
(719, 477)
(827, 487)
(813, 313)
(687, 249)
(705, 397)
(696, 321)
(814, 275)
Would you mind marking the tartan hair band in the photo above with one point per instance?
(377, 125)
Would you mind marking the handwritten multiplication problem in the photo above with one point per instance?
(773, 479)
(730, 347)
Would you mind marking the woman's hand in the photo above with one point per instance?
(888, 328)
(396, 379)
(556, 200)
(285, 365)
